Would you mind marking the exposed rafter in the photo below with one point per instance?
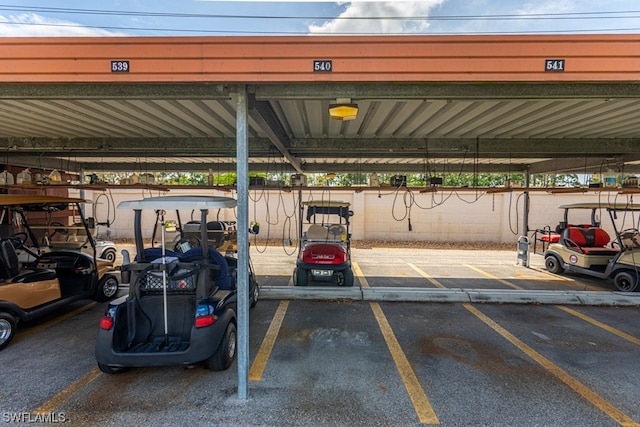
(262, 113)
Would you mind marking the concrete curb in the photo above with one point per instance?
(455, 295)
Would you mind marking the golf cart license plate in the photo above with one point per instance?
(324, 273)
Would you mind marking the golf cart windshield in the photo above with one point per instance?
(183, 237)
(46, 221)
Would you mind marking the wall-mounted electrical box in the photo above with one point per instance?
(399, 181)
(298, 180)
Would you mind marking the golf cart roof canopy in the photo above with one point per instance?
(327, 207)
(326, 203)
(35, 203)
(605, 205)
(179, 203)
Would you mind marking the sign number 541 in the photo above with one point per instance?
(554, 64)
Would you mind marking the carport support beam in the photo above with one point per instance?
(242, 170)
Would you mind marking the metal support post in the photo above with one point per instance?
(242, 149)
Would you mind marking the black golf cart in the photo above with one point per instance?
(182, 302)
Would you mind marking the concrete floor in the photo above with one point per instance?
(356, 362)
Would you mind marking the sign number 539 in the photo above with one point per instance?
(119, 66)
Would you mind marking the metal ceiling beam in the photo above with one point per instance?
(103, 91)
(44, 162)
(262, 113)
(311, 167)
(490, 147)
(382, 90)
(577, 148)
(135, 147)
(398, 91)
(587, 164)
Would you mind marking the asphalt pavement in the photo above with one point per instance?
(330, 360)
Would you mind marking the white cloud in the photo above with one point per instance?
(379, 10)
(34, 25)
(553, 6)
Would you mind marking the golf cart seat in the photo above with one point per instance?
(336, 231)
(216, 233)
(544, 236)
(317, 232)
(222, 278)
(10, 267)
(589, 241)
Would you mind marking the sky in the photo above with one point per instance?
(269, 18)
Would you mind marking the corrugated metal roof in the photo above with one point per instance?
(148, 134)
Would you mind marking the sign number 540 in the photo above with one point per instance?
(322, 66)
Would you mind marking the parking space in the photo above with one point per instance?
(373, 363)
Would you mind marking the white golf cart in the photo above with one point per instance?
(585, 247)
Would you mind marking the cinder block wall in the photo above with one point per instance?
(443, 216)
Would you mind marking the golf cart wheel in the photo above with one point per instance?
(255, 295)
(300, 277)
(226, 352)
(107, 288)
(8, 325)
(109, 254)
(111, 370)
(626, 281)
(347, 279)
(553, 265)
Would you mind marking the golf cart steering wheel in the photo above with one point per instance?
(179, 245)
(335, 230)
(630, 231)
(631, 234)
(19, 239)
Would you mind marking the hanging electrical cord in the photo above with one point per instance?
(255, 215)
(408, 200)
(515, 232)
(288, 221)
(111, 211)
(459, 174)
(265, 195)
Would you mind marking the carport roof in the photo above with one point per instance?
(427, 103)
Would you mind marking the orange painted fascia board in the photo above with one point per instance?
(290, 59)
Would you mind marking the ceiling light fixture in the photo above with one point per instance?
(343, 109)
